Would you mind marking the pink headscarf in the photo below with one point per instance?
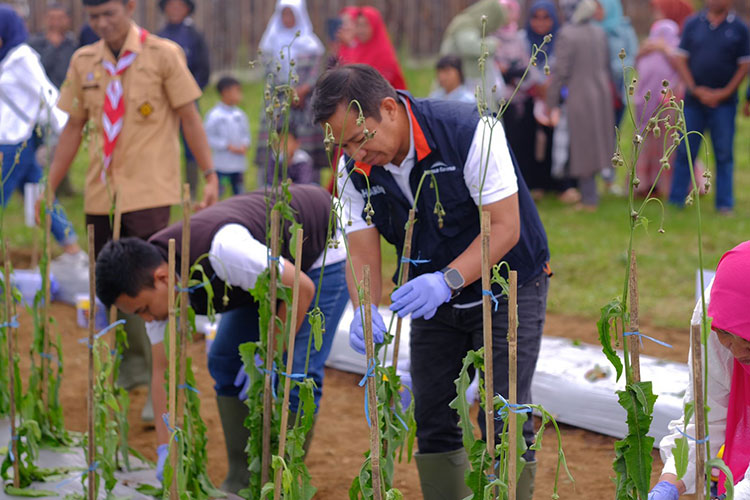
(653, 68)
(730, 295)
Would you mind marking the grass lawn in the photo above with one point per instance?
(588, 250)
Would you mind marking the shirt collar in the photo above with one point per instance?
(132, 44)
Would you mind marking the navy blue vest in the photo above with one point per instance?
(447, 130)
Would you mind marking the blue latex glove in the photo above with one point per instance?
(357, 333)
(664, 490)
(161, 452)
(421, 296)
(242, 380)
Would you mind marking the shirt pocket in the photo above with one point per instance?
(146, 97)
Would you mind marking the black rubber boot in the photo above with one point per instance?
(442, 475)
(135, 369)
(233, 412)
(525, 485)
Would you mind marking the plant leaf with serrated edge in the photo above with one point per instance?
(729, 481)
(637, 445)
(680, 453)
(609, 314)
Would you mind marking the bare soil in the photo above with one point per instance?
(341, 435)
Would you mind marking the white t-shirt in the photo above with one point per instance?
(238, 259)
(500, 181)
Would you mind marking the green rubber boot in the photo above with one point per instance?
(233, 412)
(135, 369)
(442, 475)
(525, 485)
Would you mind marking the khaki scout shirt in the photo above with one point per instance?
(145, 164)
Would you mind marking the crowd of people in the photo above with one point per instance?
(556, 134)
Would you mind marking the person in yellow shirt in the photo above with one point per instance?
(129, 93)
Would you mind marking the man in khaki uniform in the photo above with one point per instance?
(131, 90)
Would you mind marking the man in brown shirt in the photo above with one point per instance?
(128, 93)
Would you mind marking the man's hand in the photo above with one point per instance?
(708, 96)
(238, 150)
(210, 191)
(162, 451)
(554, 117)
(421, 296)
(664, 490)
(357, 333)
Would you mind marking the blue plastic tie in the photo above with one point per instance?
(642, 336)
(363, 383)
(402, 421)
(188, 387)
(172, 431)
(10, 449)
(515, 408)
(491, 296)
(415, 262)
(193, 288)
(91, 468)
(491, 477)
(697, 441)
(13, 323)
(50, 357)
(273, 259)
(85, 340)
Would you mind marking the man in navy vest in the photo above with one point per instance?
(228, 240)
(387, 151)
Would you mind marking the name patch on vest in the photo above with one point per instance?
(374, 190)
(440, 168)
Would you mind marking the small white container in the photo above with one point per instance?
(83, 305)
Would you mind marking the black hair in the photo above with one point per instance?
(343, 84)
(91, 3)
(226, 82)
(58, 6)
(125, 267)
(452, 61)
(292, 129)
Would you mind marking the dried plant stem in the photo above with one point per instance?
(47, 296)
(289, 361)
(172, 332)
(700, 412)
(489, 411)
(372, 397)
(91, 458)
(634, 340)
(184, 296)
(404, 277)
(11, 357)
(267, 389)
(512, 381)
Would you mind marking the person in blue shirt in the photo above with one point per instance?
(181, 30)
(713, 58)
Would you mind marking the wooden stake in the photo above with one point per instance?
(11, 357)
(372, 395)
(404, 278)
(700, 413)
(489, 407)
(34, 247)
(267, 389)
(289, 361)
(512, 382)
(634, 341)
(171, 327)
(116, 230)
(90, 400)
(48, 195)
(184, 296)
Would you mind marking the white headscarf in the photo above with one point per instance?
(277, 37)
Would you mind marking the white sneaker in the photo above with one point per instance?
(71, 272)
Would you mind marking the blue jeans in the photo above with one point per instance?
(27, 170)
(241, 325)
(721, 123)
(236, 181)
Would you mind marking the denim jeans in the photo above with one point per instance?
(236, 181)
(241, 325)
(439, 345)
(721, 123)
(27, 170)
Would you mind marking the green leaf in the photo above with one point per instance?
(729, 481)
(28, 492)
(293, 238)
(681, 451)
(609, 315)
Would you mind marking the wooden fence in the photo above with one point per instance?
(233, 28)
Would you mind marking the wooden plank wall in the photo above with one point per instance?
(233, 28)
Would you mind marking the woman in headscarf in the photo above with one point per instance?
(371, 44)
(289, 37)
(27, 99)
(465, 36)
(728, 374)
(582, 65)
(676, 10)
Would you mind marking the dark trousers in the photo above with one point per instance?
(235, 181)
(439, 345)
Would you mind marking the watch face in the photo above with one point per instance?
(453, 278)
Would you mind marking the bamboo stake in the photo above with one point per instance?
(489, 407)
(700, 413)
(47, 294)
(512, 382)
(184, 296)
(173, 450)
(90, 400)
(289, 361)
(634, 341)
(116, 230)
(267, 395)
(404, 278)
(34, 247)
(372, 397)
(11, 357)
